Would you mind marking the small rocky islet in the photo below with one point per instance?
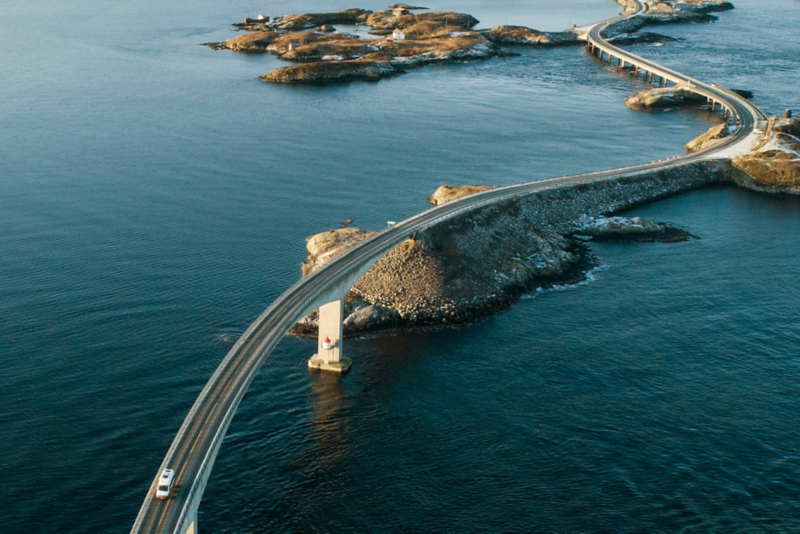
(411, 36)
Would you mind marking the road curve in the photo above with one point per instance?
(195, 447)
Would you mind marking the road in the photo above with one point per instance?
(194, 448)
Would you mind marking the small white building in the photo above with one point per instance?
(398, 35)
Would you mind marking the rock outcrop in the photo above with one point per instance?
(390, 59)
(324, 246)
(774, 164)
(478, 263)
(312, 20)
(623, 229)
(428, 37)
(365, 69)
(521, 35)
(712, 137)
(448, 193)
(667, 12)
(423, 24)
(639, 38)
(665, 97)
(247, 42)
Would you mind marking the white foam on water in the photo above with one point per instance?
(591, 276)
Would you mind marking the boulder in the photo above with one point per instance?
(709, 139)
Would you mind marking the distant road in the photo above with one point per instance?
(195, 447)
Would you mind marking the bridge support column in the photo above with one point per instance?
(665, 82)
(650, 78)
(329, 343)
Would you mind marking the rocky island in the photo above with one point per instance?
(410, 36)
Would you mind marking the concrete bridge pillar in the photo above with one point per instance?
(650, 78)
(329, 343)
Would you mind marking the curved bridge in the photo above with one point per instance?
(195, 447)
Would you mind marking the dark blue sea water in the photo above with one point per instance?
(155, 197)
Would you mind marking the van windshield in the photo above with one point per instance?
(163, 488)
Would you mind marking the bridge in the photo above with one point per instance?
(195, 447)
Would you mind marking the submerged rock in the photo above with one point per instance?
(774, 163)
(711, 138)
(448, 193)
(623, 229)
(665, 97)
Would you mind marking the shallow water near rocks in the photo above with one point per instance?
(155, 198)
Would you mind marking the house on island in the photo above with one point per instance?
(400, 11)
(398, 35)
(292, 46)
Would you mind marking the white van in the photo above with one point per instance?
(165, 484)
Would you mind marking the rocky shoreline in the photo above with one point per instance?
(480, 263)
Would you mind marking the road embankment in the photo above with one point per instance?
(480, 263)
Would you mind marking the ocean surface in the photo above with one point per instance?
(155, 197)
